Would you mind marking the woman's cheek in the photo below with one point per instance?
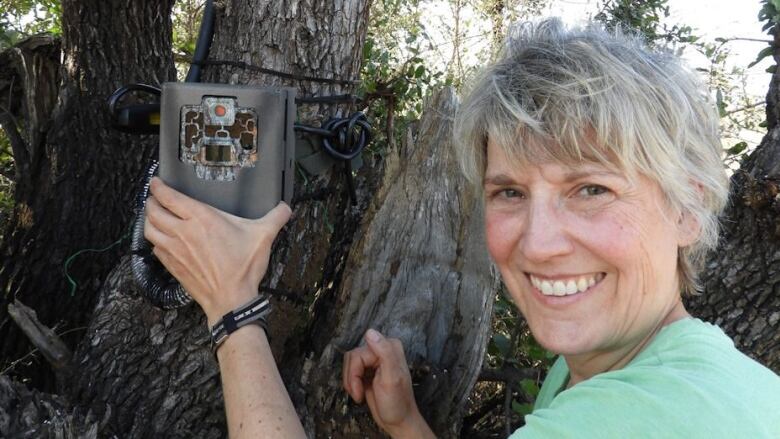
(501, 231)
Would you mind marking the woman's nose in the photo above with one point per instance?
(545, 236)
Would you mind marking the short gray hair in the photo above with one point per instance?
(601, 96)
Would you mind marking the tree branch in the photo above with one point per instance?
(746, 107)
(18, 145)
(756, 40)
(49, 343)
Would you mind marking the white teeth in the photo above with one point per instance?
(565, 287)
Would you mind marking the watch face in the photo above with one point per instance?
(218, 137)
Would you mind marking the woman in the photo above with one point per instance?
(600, 167)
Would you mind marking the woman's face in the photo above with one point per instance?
(588, 255)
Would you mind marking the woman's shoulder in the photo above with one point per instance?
(702, 353)
(690, 381)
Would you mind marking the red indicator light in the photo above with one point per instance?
(219, 110)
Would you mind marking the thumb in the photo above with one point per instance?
(277, 217)
(379, 345)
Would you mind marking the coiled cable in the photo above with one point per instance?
(343, 139)
(157, 285)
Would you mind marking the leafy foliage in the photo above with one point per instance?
(6, 179)
(22, 18)
(741, 113)
(770, 13)
(645, 17)
(186, 17)
(395, 77)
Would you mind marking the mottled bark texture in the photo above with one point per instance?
(76, 176)
(26, 413)
(742, 277)
(150, 372)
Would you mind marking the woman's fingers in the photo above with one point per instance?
(380, 355)
(176, 202)
(344, 374)
(155, 235)
(359, 364)
(391, 356)
(162, 218)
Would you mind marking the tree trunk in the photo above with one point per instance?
(76, 176)
(742, 277)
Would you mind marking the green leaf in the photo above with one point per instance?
(776, 4)
(522, 409)
(536, 352)
(419, 71)
(502, 343)
(367, 47)
(761, 55)
(738, 148)
(529, 387)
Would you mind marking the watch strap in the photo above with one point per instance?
(252, 312)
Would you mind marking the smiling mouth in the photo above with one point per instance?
(567, 286)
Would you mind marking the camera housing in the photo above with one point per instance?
(232, 147)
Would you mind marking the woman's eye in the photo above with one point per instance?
(593, 190)
(505, 194)
(509, 193)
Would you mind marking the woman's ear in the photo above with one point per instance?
(688, 229)
(688, 225)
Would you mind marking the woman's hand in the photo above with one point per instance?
(378, 373)
(218, 258)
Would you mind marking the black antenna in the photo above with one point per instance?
(202, 46)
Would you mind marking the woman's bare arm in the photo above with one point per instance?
(256, 400)
(220, 259)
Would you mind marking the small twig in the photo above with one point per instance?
(508, 408)
(746, 107)
(19, 360)
(757, 40)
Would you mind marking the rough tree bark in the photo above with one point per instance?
(742, 277)
(76, 177)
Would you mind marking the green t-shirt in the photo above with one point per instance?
(689, 382)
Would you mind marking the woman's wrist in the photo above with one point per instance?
(225, 302)
(414, 428)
